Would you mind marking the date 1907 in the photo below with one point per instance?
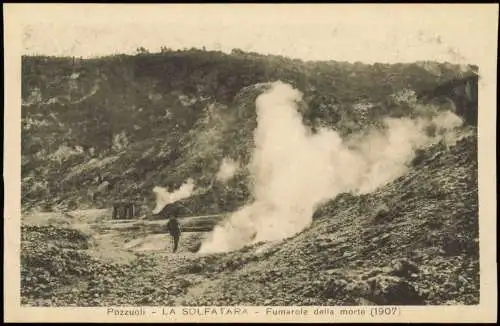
(384, 311)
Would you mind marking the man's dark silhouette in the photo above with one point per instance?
(174, 229)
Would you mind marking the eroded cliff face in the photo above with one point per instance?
(460, 94)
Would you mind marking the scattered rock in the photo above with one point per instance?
(391, 290)
(403, 268)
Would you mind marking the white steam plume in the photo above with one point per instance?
(294, 170)
(227, 170)
(163, 197)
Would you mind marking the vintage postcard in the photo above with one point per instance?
(250, 162)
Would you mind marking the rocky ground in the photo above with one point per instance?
(412, 242)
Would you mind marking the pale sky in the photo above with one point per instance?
(367, 33)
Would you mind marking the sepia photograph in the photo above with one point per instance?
(195, 157)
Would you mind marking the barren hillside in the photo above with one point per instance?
(386, 201)
(414, 241)
(97, 130)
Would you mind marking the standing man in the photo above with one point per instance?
(174, 230)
